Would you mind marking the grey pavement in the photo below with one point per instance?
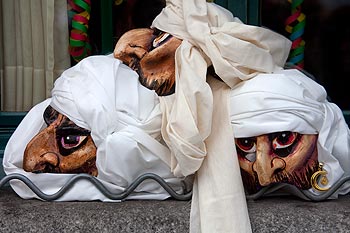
(273, 214)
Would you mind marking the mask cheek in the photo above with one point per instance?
(304, 154)
(157, 68)
(81, 160)
(246, 165)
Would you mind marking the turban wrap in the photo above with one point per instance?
(196, 124)
(104, 96)
(288, 100)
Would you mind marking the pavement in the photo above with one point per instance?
(268, 214)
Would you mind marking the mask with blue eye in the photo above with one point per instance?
(61, 147)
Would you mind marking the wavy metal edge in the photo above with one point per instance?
(113, 196)
(304, 194)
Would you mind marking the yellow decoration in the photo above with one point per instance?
(320, 175)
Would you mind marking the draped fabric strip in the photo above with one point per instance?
(211, 36)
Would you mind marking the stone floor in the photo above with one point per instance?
(283, 214)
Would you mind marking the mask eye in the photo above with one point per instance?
(283, 143)
(246, 148)
(161, 39)
(284, 139)
(71, 141)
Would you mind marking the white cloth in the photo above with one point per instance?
(288, 100)
(193, 116)
(102, 95)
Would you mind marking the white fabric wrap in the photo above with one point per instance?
(193, 117)
(102, 95)
(288, 100)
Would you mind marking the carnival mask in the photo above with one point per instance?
(281, 157)
(151, 53)
(62, 147)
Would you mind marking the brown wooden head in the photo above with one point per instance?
(62, 147)
(151, 53)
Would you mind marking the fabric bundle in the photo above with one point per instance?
(196, 124)
(104, 96)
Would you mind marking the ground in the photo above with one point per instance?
(274, 214)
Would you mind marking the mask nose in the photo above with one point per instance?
(266, 164)
(48, 163)
(41, 153)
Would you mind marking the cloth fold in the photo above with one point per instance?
(211, 36)
(194, 121)
(104, 96)
(218, 201)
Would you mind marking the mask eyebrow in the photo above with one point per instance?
(50, 115)
(157, 32)
(72, 129)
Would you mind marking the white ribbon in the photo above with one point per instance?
(211, 36)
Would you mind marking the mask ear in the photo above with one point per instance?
(50, 115)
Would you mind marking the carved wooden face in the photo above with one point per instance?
(62, 147)
(281, 157)
(151, 53)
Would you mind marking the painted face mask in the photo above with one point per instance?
(100, 121)
(280, 157)
(151, 53)
(62, 147)
(287, 132)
